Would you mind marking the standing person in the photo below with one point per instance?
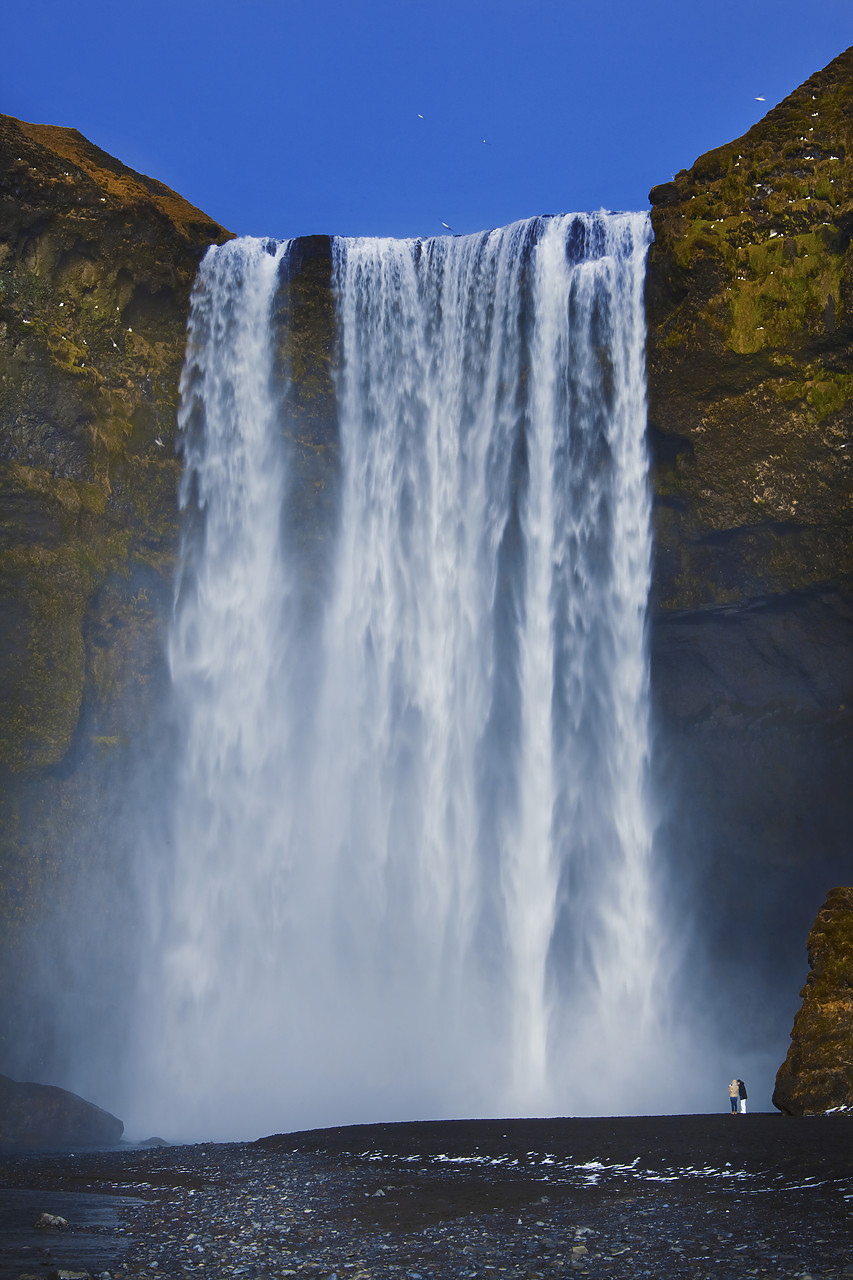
(734, 1094)
(741, 1091)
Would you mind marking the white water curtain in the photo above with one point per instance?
(412, 873)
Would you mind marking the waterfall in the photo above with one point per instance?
(412, 868)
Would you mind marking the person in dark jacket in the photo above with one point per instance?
(741, 1091)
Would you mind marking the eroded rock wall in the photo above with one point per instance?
(42, 1117)
(750, 307)
(817, 1075)
(96, 267)
(750, 359)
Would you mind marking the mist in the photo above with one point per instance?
(393, 843)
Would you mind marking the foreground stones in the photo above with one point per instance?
(817, 1075)
(42, 1116)
(674, 1196)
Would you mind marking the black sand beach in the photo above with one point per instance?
(675, 1196)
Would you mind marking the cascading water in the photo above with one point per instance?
(411, 871)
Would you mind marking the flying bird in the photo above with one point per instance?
(159, 443)
(760, 99)
(447, 224)
(420, 117)
(488, 144)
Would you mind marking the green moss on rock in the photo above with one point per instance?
(96, 267)
(750, 309)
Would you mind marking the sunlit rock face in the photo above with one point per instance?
(750, 375)
(750, 621)
(96, 264)
(817, 1075)
(750, 312)
(96, 267)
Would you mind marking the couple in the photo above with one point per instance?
(737, 1094)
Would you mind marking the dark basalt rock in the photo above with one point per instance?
(750, 356)
(750, 364)
(96, 267)
(623, 1199)
(42, 1116)
(817, 1075)
(306, 349)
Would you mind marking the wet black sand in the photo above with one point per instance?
(679, 1196)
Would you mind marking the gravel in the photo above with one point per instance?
(676, 1196)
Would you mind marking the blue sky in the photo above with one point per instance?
(287, 117)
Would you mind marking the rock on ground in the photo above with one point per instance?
(39, 1116)
(686, 1197)
(817, 1075)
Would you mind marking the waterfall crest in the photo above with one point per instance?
(413, 876)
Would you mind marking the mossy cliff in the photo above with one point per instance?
(750, 309)
(817, 1074)
(750, 359)
(750, 363)
(96, 267)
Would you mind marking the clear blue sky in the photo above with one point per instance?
(287, 117)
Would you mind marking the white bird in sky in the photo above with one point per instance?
(159, 443)
(760, 99)
(420, 117)
(447, 224)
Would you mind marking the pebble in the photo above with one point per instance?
(49, 1222)
(210, 1212)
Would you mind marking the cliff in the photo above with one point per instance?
(750, 361)
(41, 1117)
(750, 366)
(817, 1075)
(96, 267)
(750, 309)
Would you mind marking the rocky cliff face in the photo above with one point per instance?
(96, 267)
(750, 360)
(817, 1075)
(750, 356)
(750, 307)
(39, 1116)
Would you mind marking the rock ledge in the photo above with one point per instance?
(817, 1075)
(44, 1117)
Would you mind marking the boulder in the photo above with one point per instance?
(49, 1222)
(817, 1075)
(43, 1116)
